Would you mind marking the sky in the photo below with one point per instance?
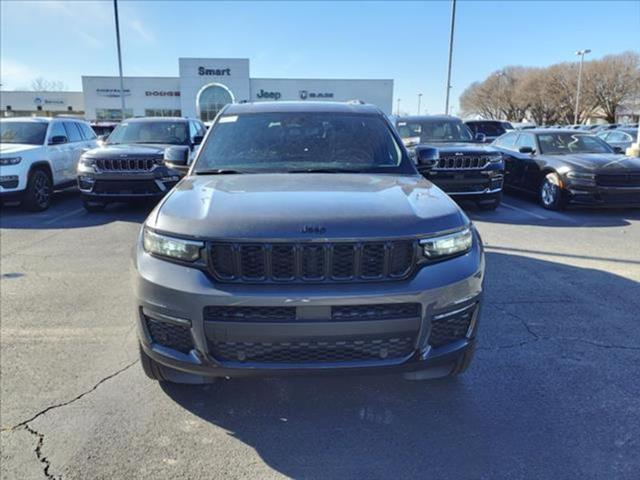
(405, 41)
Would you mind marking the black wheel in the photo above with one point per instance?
(491, 204)
(150, 367)
(91, 206)
(37, 196)
(550, 194)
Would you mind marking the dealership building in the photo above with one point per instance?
(203, 87)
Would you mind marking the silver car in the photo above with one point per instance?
(303, 239)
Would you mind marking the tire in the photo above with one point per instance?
(37, 196)
(550, 192)
(150, 367)
(491, 205)
(90, 206)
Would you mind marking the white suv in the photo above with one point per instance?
(38, 155)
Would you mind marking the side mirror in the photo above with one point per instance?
(197, 139)
(526, 150)
(427, 157)
(618, 150)
(481, 137)
(58, 140)
(176, 156)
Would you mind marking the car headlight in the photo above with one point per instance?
(10, 160)
(448, 245)
(495, 158)
(172, 247)
(87, 164)
(580, 178)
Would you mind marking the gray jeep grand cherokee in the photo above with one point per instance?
(304, 240)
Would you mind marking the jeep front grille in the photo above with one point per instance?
(312, 262)
(454, 162)
(125, 164)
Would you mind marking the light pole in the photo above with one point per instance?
(115, 11)
(582, 53)
(453, 22)
(398, 107)
(419, 101)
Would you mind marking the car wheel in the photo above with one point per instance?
(551, 196)
(150, 367)
(37, 196)
(90, 206)
(492, 204)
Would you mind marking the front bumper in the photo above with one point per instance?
(125, 186)
(603, 196)
(177, 296)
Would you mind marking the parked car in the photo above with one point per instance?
(619, 139)
(304, 240)
(40, 155)
(563, 167)
(467, 169)
(491, 129)
(130, 165)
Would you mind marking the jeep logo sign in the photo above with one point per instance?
(272, 95)
(215, 72)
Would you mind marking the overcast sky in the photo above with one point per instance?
(406, 42)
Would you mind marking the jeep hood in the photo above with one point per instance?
(262, 206)
(130, 150)
(10, 148)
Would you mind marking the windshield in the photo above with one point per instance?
(163, 132)
(561, 143)
(435, 131)
(298, 142)
(31, 133)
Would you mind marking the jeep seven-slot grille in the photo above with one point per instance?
(453, 162)
(312, 262)
(125, 164)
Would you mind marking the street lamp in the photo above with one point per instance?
(581, 53)
(419, 100)
(115, 12)
(453, 22)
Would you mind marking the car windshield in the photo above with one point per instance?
(31, 133)
(561, 143)
(162, 132)
(301, 142)
(434, 131)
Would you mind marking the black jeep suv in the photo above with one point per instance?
(467, 169)
(130, 165)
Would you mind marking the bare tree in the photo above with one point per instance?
(613, 80)
(43, 85)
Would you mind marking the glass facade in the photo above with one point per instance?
(112, 114)
(211, 99)
(162, 112)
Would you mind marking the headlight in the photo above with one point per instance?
(579, 178)
(87, 164)
(495, 158)
(171, 247)
(10, 160)
(447, 245)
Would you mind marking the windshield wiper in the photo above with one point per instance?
(324, 170)
(218, 171)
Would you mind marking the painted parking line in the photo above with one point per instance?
(63, 216)
(522, 210)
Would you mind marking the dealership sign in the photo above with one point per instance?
(304, 94)
(47, 101)
(270, 95)
(162, 93)
(111, 92)
(214, 72)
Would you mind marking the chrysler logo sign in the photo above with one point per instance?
(304, 94)
(111, 92)
(214, 72)
(272, 95)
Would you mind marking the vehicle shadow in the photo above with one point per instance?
(66, 211)
(522, 209)
(527, 407)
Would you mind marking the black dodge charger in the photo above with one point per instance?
(563, 167)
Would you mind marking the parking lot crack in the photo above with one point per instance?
(46, 463)
(25, 423)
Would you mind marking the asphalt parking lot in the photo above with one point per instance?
(553, 392)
